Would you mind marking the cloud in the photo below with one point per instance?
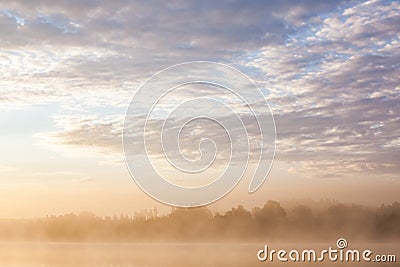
(67, 47)
(101, 135)
(338, 93)
(206, 24)
(333, 67)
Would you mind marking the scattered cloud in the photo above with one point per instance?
(329, 69)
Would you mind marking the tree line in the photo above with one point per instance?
(266, 223)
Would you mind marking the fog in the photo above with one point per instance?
(321, 221)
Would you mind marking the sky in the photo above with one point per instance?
(69, 69)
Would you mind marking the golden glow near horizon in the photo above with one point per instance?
(69, 70)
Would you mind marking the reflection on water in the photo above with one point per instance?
(143, 255)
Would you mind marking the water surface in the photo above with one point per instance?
(159, 254)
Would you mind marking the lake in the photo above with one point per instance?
(162, 254)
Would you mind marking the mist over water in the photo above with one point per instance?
(199, 237)
(321, 222)
(160, 254)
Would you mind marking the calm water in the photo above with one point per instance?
(146, 255)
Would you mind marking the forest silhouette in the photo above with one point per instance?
(316, 222)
